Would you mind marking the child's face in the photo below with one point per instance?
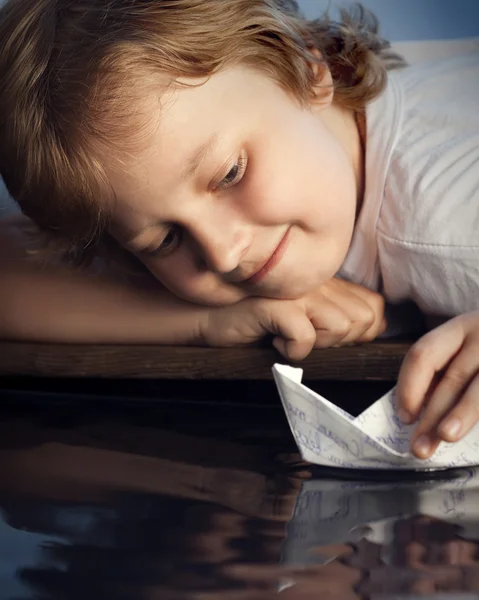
(241, 192)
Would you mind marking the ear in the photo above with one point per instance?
(323, 88)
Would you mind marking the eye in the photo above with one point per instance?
(235, 174)
(170, 242)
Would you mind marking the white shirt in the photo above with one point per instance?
(417, 235)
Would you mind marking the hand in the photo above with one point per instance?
(337, 313)
(440, 379)
(348, 313)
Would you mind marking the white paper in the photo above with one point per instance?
(376, 439)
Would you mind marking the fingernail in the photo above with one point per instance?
(451, 428)
(422, 445)
(404, 416)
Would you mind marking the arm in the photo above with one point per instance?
(57, 304)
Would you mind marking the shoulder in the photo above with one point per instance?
(427, 230)
(431, 190)
(420, 214)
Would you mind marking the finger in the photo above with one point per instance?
(375, 331)
(365, 310)
(361, 331)
(330, 323)
(343, 289)
(443, 399)
(377, 328)
(427, 357)
(378, 323)
(353, 318)
(295, 334)
(464, 415)
(357, 328)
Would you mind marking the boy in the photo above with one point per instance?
(223, 144)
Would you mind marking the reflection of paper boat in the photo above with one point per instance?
(334, 512)
(376, 439)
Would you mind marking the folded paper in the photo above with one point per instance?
(376, 439)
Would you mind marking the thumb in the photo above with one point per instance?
(280, 345)
(292, 349)
(294, 333)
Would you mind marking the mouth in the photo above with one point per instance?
(271, 262)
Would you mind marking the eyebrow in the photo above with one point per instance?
(199, 155)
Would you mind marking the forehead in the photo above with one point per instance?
(191, 102)
(193, 114)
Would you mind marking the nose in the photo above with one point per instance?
(222, 241)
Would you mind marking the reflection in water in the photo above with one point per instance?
(409, 537)
(122, 512)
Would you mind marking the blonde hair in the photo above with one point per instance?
(70, 71)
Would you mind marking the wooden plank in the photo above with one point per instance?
(378, 361)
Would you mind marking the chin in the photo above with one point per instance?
(217, 301)
(291, 292)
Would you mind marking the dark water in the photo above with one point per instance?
(208, 501)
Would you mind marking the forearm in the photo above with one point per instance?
(63, 305)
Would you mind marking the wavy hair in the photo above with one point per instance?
(72, 73)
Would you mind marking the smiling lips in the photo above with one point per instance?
(271, 262)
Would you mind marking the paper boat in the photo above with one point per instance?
(376, 439)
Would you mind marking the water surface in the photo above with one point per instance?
(209, 501)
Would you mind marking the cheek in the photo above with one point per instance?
(276, 192)
(180, 276)
(297, 177)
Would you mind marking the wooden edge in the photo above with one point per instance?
(377, 361)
